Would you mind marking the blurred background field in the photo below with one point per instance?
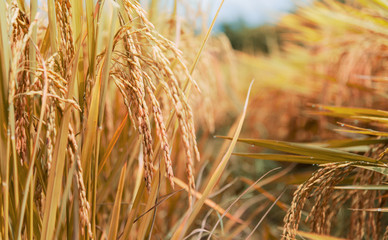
(148, 113)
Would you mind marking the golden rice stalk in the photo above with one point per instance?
(323, 200)
(84, 206)
(147, 61)
(385, 237)
(146, 68)
(327, 201)
(20, 24)
(161, 129)
(367, 224)
(137, 95)
(324, 178)
(51, 132)
(63, 16)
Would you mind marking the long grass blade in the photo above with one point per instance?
(35, 149)
(55, 176)
(213, 180)
(284, 158)
(380, 169)
(52, 25)
(342, 143)
(346, 112)
(363, 187)
(114, 219)
(112, 143)
(306, 150)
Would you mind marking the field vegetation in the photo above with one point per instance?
(119, 122)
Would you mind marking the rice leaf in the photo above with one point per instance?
(351, 111)
(5, 61)
(382, 169)
(284, 158)
(352, 142)
(91, 35)
(333, 155)
(55, 176)
(112, 143)
(133, 211)
(194, 65)
(365, 132)
(363, 187)
(114, 218)
(146, 222)
(52, 25)
(214, 178)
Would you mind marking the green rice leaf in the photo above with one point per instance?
(283, 158)
(332, 155)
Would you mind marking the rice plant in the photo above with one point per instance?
(337, 49)
(94, 99)
(108, 112)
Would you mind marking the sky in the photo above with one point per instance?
(253, 12)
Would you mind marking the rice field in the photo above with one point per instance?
(124, 122)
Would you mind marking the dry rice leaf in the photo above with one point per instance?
(362, 187)
(379, 169)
